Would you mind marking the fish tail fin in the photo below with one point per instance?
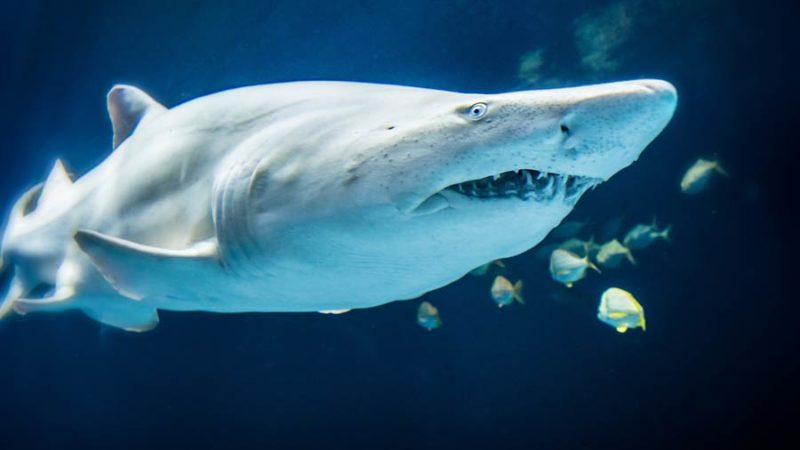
(518, 292)
(10, 287)
(5, 268)
(665, 233)
(8, 302)
(41, 197)
(593, 266)
(38, 200)
(15, 292)
(630, 257)
(586, 248)
(720, 170)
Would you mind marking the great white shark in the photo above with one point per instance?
(314, 196)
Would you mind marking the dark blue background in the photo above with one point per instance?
(717, 365)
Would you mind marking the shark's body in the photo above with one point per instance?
(315, 196)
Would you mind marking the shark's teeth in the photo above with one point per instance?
(526, 184)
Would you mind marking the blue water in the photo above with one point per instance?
(717, 366)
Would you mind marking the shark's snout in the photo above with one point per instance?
(546, 145)
(660, 88)
(608, 126)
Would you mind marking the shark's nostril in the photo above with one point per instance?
(565, 129)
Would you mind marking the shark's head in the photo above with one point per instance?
(431, 183)
(514, 151)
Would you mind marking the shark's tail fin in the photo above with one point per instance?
(665, 233)
(720, 170)
(10, 290)
(14, 291)
(5, 280)
(16, 221)
(38, 199)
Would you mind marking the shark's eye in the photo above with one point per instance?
(477, 111)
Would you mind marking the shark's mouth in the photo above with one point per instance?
(527, 184)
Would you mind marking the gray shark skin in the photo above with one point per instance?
(314, 196)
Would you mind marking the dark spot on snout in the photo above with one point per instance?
(390, 127)
(565, 129)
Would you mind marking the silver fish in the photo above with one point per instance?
(612, 253)
(642, 236)
(428, 316)
(697, 177)
(504, 293)
(567, 267)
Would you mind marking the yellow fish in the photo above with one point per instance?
(619, 309)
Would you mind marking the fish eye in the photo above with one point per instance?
(477, 111)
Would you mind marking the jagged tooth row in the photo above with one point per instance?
(524, 184)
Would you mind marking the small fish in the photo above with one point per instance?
(530, 66)
(619, 309)
(567, 229)
(612, 253)
(484, 269)
(428, 316)
(642, 236)
(504, 293)
(579, 246)
(697, 177)
(566, 267)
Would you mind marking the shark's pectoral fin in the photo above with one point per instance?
(128, 106)
(126, 314)
(138, 271)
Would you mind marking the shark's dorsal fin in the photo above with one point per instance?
(127, 107)
(138, 271)
(57, 183)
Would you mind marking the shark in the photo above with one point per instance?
(313, 196)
